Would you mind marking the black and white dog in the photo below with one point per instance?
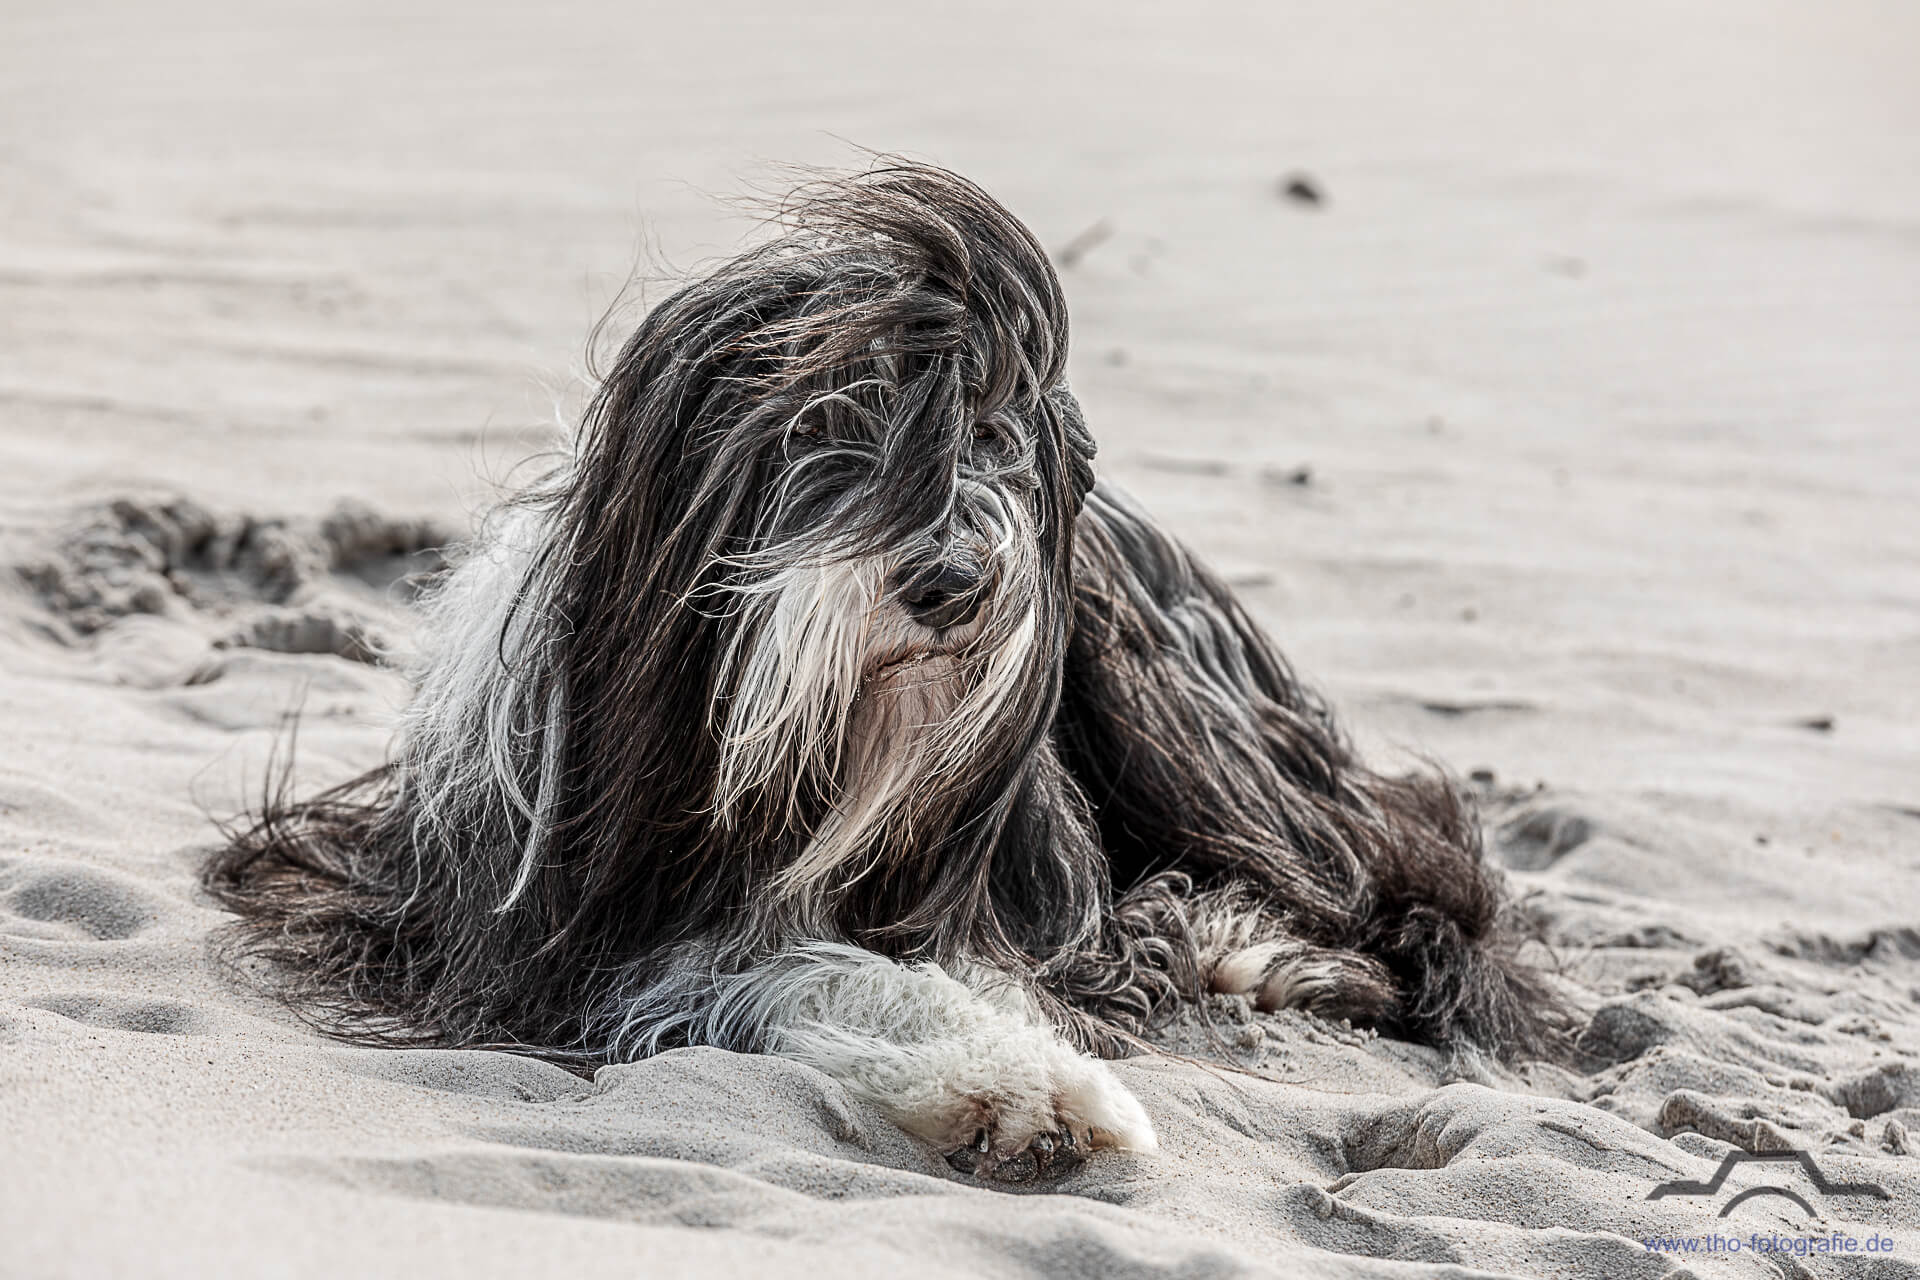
(822, 704)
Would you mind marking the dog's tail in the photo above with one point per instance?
(320, 921)
(1200, 754)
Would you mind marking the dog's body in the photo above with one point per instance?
(821, 704)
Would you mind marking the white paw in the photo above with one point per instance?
(1093, 1101)
(974, 1070)
(1024, 1106)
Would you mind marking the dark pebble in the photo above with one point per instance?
(1301, 189)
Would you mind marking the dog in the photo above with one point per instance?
(821, 702)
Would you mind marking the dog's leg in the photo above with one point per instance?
(1246, 951)
(1166, 940)
(971, 1067)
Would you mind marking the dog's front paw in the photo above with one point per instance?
(1034, 1128)
(1045, 1156)
(975, 1071)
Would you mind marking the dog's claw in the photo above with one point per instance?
(968, 1159)
(1058, 1153)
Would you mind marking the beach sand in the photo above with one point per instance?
(1571, 438)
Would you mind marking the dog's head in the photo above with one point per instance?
(830, 489)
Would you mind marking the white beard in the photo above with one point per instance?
(891, 736)
(837, 687)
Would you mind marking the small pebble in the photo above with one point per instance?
(1301, 189)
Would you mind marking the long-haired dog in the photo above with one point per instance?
(823, 704)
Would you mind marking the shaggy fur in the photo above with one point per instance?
(822, 704)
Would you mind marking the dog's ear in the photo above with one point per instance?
(1077, 448)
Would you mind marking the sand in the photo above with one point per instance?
(1570, 438)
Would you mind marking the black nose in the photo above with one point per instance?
(943, 594)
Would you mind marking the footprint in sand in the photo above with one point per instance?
(1537, 838)
(283, 584)
(116, 1013)
(65, 900)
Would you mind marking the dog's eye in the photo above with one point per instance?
(986, 430)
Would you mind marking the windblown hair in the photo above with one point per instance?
(824, 646)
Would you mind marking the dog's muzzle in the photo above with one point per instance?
(943, 590)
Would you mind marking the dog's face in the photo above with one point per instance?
(898, 608)
(829, 491)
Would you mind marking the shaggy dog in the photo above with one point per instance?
(823, 704)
